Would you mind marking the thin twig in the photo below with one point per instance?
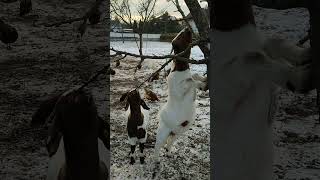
(153, 74)
(177, 56)
(170, 59)
(105, 69)
(84, 17)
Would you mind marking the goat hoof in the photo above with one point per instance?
(156, 169)
(132, 161)
(142, 160)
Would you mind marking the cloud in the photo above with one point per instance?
(164, 5)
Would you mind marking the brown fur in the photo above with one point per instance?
(43, 113)
(45, 109)
(228, 15)
(94, 17)
(180, 44)
(150, 95)
(136, 118)
(75, 117)
(185, 123)
(155, 77)
(172, 133)
(25, 7)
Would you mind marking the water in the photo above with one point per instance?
(159, 49)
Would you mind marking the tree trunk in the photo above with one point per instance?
(314, 10)
(202, 23)
(140, 50)
(183, 15)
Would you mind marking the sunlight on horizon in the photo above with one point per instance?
(163, 6)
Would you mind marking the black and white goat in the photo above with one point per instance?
(246, 70)
(137, 116)
(75, 150)
(178, 113)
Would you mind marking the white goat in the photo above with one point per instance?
(178, 114)
(246, 72)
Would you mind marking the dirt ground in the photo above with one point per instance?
(43, 62)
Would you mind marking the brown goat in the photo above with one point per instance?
(180, 44)
(75, 150)
(137, 119)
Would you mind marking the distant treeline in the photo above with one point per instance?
(157, 25)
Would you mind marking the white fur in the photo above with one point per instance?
(242, 136)
(180, 107)
(58, 159)
(133, 141)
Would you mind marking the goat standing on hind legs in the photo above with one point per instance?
(75, 150)
(246, 70)
(178, 114)
(137, 114)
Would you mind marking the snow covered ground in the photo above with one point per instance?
(190, 157)
(42, 62)
(296, 134)
(45, 61)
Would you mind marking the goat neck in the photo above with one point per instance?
(180, 43)
(80, 125)
(231, 14)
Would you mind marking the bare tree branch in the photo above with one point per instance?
(184, 17)
(178, 57)
(105, 69)
(201, 21)
(93, 9)
(154, 73)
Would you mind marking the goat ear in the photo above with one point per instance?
(54, 137)
(53, 141)
(44, 111)
(144, 105)
(123, 97)
(127, 106)
(104, 132)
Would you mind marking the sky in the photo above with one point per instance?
(164, 5)
(169, 6)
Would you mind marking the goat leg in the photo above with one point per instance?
(133, 148)
(161, 139)
(170, 141)
(142, 157)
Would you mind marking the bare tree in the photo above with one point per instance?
(200, 18)
(202, 23)
(124, 10)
